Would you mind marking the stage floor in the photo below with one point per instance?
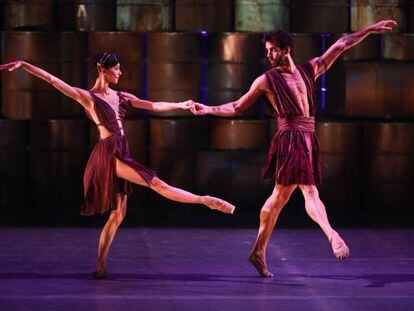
(205, 269)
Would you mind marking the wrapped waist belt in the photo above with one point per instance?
(298, 123)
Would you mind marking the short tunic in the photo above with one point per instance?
(294, 156)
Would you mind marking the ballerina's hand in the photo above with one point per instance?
(188, 104)
(199, 109)
(11, 66)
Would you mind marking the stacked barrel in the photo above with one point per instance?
(209, 51)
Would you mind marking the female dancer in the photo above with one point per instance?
(110, 169)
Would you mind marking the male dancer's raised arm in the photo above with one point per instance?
(324, 62)
(237, 107)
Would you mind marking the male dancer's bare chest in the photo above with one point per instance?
(293, 87)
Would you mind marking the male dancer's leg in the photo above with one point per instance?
(268, 217)
(316, 210)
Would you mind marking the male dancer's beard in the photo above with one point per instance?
(282, 61)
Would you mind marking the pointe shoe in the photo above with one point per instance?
(100, 272)
(260, 265)
(218, 204)
(339, 248)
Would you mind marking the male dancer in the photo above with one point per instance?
(294, 158)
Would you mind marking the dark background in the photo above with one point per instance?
(209, 51)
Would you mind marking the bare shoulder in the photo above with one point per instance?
(85, 97)
(260, 83)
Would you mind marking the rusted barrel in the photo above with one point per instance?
(234, 175)
(187, 135)
(368, 49)
(86, 15)
(13, 171)
(389, 158)
(410, 16)
(58, 156)
(144, 15)
(209, 15)
(322, 16)
(306, 47)
(261, 15)
(233, 62)
(174, 146)
(367, 12)
(239, 134)
(28, 15)
(340, 145)
(398, 47)
(72, 65)
(26, 96)
(174, 74)
(369, 89)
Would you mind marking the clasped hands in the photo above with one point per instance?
(194, 107)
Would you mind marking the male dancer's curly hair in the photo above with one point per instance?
(280, 38)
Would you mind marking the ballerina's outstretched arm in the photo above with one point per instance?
(157, 106)
(80, 95)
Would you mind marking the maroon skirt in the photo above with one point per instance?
(101, 184)
(294, 157)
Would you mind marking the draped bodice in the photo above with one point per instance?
(107, 115)
(286, 104)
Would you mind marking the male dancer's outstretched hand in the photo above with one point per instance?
(199, 109)
(11, 66)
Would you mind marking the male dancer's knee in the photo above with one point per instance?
(276, 202)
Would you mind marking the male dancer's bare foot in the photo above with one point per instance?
(340, 250)
(218, 204)
(260, 264)
(100, 270)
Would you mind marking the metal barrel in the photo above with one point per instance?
(178, 134)
(174, 146)
(398, 47)
(73, 64)
(24, 95)
(388, 158)
(322, 16)
(233, 63)
(28, 15)
(86, 15)
(239, 134)
(208, 15)
(340, 145)
(370, 89)
(144, 15)
(261, 15)
(58, 156)
(367, 12)
(306, 47)
(218, 173)
(13, 171)
(410, 11)
(368, 49)
(174, 74)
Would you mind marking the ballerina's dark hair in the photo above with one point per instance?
(105, 59)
